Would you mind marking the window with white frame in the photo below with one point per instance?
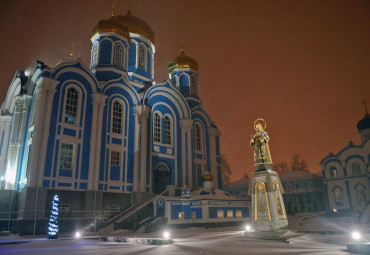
(115, 208)
(220, 213)
(174, 81)
(198, 137)
(66, 156)
(180, 215)
(338, 196)
(288, 186)
(198, 168)
(64, 207)
(117, 118)
(141, 57)
(157, 128)
(356, 170)
(70, 113)
(297, 185)
(115, 158)
(290, 201)
(305, 184)
(230, 214)
(238, 214)
(167, 130)
(308, 199)
(333, 172)
(118, 55)
(95, 54)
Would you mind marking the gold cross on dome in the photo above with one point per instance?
(182, 46)
(114, 8)
(71, 54)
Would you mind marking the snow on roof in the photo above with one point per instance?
(243, 181)
(295, 175)
(205, 194)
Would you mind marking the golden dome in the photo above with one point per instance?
(183, 61)
(136, 25)
(207, 177)
(111, 25)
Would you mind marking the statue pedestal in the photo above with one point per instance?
(268, 210)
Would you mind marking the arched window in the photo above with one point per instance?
(141, 57)
(290, 201)
(95, 55)
(338, 196)
(360, 195)
(167, 130)
(117, 118)
(198, 137)
(118, 55)
(356, 170)
(193, 83)
(288, 186)
(174, 81)
(333, 172)
(70, 113)
(157, 128)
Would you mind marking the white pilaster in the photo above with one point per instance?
(143, 111)
(101, 105)
(186, 156)
(5, 124)
(213, 132)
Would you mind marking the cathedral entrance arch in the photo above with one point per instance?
(161, 176)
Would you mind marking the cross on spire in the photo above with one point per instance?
(71, 54)
(364, 102)
(182, 46)
(114, 8)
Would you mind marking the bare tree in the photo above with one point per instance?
(281, 167)
(225, 170)
(298, 164)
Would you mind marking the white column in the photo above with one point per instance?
(186, 156)
(136, 152)
(5, 122)
(50, 86)
(11, 166)
(213, 132)
(143, 111)
(39, 138)
(98, 140)
(94, 123)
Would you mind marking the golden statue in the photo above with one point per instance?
(262, 157)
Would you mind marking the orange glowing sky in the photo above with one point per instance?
(304, 66)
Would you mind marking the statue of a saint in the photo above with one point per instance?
(262, 157)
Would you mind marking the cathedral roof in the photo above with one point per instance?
(136, 25)
(111, 25)
(183, 61)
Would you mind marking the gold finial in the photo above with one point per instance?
(129, 7)
(72, 51)
(366, 112)
(114, 8)
(182, 46)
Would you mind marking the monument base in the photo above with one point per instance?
(268, 211)
(268, 235)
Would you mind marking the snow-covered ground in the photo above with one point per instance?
(228, 240)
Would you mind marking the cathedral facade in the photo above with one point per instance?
(108, 128)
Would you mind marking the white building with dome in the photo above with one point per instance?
(347, 175)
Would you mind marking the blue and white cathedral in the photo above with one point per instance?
(107, 128)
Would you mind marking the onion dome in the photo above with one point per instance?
(111, 25)
(207, 177)
(364, 123)
(183, 61)
(136, 25)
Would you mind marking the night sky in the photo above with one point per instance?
(303, 66)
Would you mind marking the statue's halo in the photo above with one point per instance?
(256, 122)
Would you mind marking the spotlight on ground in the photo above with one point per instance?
(248, 228)
(356, 235)
(166, 234)
(77, 235)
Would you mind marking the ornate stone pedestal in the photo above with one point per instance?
(268, 210)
